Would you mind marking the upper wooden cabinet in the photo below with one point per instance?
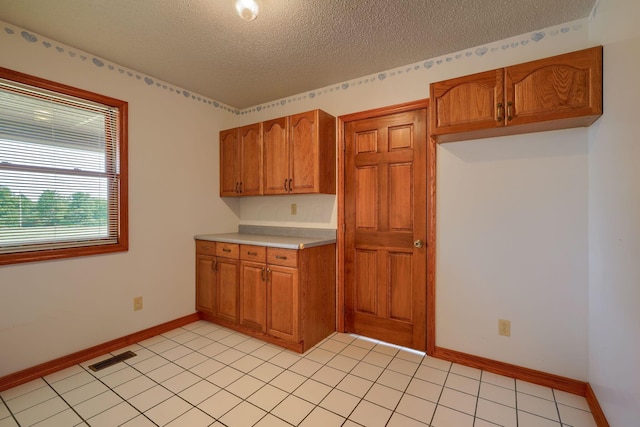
(300, 154)
(241, 161)
(287, 155)
(553, 93)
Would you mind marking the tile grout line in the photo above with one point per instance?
(555, 401)
(117, 394)
(515, 391)
(475, 411)
(229, 366)
(440, 395)
(405, 392)
(64, 400)
(244, 373)
(216, 419)
(333, 387)
(9, 409)
(323, 358)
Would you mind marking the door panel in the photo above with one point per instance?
(366, 197)
(253, 296)
(385, 212)
(251, 160)
(400, 200)
(400, 304)
(284, 303)
(205, 280)
(229, 162)
(302, 136)
(276, 156)
(365, 281)
(226, 303)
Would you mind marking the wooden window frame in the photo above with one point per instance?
(122, 220)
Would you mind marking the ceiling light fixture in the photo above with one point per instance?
(247, 9)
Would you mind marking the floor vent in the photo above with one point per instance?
(112, 361)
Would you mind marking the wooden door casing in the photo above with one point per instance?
(385, 212)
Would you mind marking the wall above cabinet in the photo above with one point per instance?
(288, 155)
(559, 92)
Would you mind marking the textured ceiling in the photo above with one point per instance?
(292, 47)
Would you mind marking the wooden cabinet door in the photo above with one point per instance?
(303, 140)
(276, 156)
(468, 103)
(560, 87)
(205, 283)
(251, 160)
(253, 295)
(283, 302)
(229, 163)
(226, 290)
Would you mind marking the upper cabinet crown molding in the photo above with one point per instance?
(559, 92)
(297, 156)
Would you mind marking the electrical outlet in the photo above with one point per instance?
(137, 303)
(294, 209)
(504, 327)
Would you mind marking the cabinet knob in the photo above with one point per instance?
(499, 112)
(281, 257)
(226, 250)
(509, 115)
(418, 243)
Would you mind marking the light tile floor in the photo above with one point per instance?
(206, 375)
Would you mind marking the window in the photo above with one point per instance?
(63, 171)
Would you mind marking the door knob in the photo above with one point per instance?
(418, 244)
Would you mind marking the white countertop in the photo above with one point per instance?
(285, 242)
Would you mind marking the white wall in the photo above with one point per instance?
(614, 218)
(512, 244)
(50, 309)
(511, 216)
(511, 213)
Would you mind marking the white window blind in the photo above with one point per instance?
(59, 170)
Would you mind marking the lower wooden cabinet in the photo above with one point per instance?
(283, 296)
(225, 286)
(283, 299)
(205, 275)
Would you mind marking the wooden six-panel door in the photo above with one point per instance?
(386, 227)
